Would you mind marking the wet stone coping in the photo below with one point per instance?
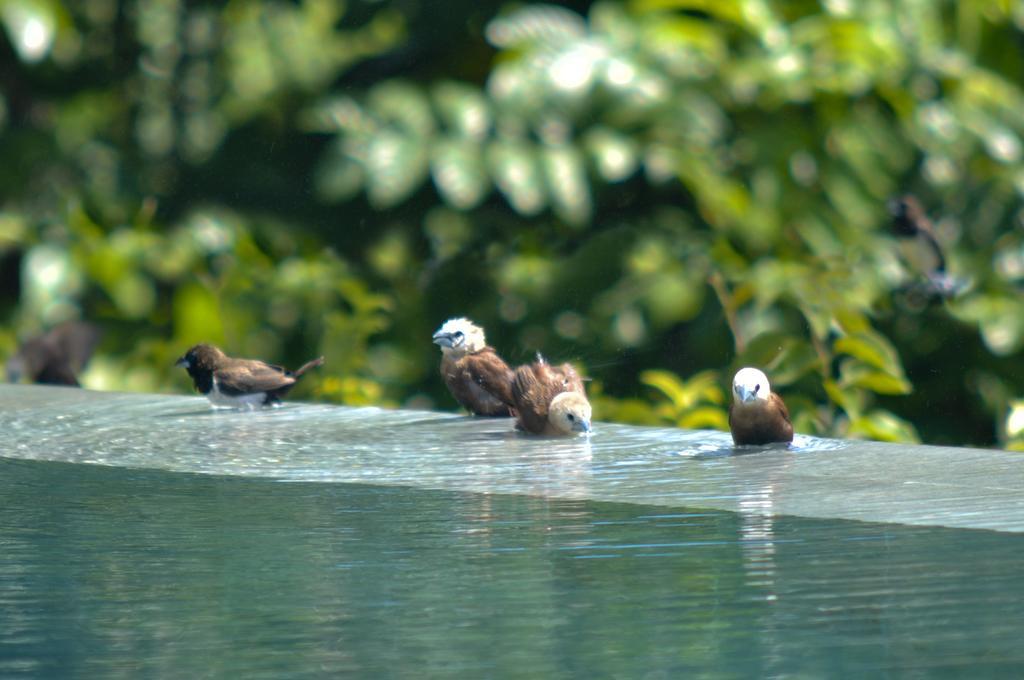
(301, 442)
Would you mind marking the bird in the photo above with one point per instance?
(477, 377)
(757, 415)
(57, 356)
(234, 383)
(550, 400)
(921, 249)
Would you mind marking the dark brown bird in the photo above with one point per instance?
(921, 249)
(549, 399)
(229, 382)
(910, 221)
(476, 376)
(757, 415)
(57, 356)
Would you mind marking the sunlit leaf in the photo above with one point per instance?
(615, 155)
(395, 167)
(667, 383)
(549, 24)
(197, 316)
(1000, 318)
(857, 375)
(883, 426)
(518, 176)
(464, 109)
(458, 170)
(1015, 420)
(705, 418)
(567, 183)
(31, 27)
(872, 348)
(403, 105)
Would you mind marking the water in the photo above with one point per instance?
(311, 541)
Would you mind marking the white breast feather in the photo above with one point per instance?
(221, 400)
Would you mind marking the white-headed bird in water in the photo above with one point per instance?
(757, 415)
(550, 400)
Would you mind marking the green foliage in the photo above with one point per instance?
(695, 403)
(650, 188)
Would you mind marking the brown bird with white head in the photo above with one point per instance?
(235, 383)
(477, 377)
(757, 415)
(550, 400)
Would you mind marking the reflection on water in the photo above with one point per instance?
(116, 572)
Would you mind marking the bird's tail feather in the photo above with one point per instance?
(306, 366)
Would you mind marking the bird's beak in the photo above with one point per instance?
(182, 363)
(443, 339)
(746, 394)
(582, 425)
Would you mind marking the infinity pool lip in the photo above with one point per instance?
(825, 478)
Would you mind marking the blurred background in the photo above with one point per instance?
(661, 191)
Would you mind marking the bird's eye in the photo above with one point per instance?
(756, 388)
(458, 335)
(572, 418)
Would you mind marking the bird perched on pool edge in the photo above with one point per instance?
(476, 376)
(57, 356)
(229, 382)
(549, 399)
(757, 415)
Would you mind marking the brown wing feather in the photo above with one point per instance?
(250, 376)
(535, 386)
(776, 401)
(529, 397)
(480, 382)
(491, 372)
(571, 379)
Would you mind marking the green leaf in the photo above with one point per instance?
(396, 166)
(547, 25)
(871, 348)
(857, 375)
(197, 316)
(567, 183)
(852, 404)
(705, 418)
(783, 357)
(458, 171)
(667, 383)
(883, 426)
(685, 395)
(517, 175)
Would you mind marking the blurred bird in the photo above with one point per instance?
(230, 382)
(57, 356)
(476, 376)
(757, 415)
(549, 399)
(921, 248)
